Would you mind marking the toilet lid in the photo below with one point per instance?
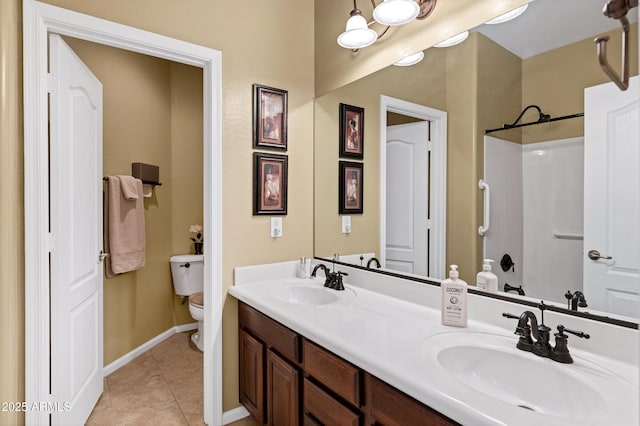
(197, 299)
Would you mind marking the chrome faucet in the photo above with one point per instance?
(528, 326)
(375, 260)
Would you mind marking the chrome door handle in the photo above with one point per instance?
(595, 255)
(102, 256)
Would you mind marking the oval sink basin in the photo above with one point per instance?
(308, 295)
(491, 365)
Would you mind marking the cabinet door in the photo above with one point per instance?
(389, 407)
(283, 389)
(252, 375)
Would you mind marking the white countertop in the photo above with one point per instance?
(385, 336)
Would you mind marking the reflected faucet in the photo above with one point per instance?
(375, 260)
(575, 300)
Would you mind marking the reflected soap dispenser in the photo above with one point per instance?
(454, 300)
(486, 279)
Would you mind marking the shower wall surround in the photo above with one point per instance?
(536, 214)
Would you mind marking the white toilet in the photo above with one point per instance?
(188, 281)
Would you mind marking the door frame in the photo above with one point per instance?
(39, 19)
(437, 176)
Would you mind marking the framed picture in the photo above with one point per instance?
(351, 131)
(269, 184)
(351, 181)
(269, 117)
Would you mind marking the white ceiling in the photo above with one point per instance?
(549, 24)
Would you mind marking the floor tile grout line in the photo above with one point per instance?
(175, 398)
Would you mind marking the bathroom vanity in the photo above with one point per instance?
(376, 353)
(304, 383)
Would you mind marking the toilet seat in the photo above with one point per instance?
(197, 299)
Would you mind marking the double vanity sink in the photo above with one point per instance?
(474, 375)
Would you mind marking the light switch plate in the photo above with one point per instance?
(346, 224)
(276, 227)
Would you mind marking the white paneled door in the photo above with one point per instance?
(407, 233)
(612, 198)
(76, 235)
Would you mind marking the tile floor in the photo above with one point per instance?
(163, 386)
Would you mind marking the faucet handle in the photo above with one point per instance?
(562, 329)
(508, 315)
(560, 352)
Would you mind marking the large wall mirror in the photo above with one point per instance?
(422, 201)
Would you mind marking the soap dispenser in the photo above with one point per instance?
(487, 280)
(454, 300)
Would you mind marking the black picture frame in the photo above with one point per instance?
(269, 117)
(351, 131)
(270, 192)
(351, 187)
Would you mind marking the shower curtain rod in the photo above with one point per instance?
(549, 120)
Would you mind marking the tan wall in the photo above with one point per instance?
(11, 212)
(246, 60)
(555, 81)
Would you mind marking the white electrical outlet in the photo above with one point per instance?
(346, 224)
(276, 227)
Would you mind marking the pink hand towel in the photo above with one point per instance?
(124, 228)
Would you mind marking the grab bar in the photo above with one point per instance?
(482, 230)
(567, 236)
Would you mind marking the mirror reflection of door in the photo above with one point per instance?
(407, 201)
(612, 199)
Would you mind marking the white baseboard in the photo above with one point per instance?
(108, 369)
(234, 415)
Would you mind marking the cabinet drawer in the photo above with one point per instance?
(332, 371)
(275, 335)
(321, 409)
(390, 407)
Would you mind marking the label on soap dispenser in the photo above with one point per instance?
(454, 310)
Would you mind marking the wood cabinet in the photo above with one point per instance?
(286, 379)
(282, 392)
(251, 375)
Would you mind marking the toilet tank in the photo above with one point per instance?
(187, 272)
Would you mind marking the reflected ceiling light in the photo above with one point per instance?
(396, 12)
(410, 60)
(357, 33)
(508, 16)
(452, 41)
(389, 12)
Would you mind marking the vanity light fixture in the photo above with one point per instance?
(357, 33)
(396, 12)
(452, 41)
(389, 12)
(410, 60)
(508, 16)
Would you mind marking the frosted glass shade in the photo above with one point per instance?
(410, 60)
(452, 41)
(508, 16)
(396, 12)
(357, 33)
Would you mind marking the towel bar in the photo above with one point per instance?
(143, 181)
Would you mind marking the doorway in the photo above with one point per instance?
(435, 219)
(39, 20)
